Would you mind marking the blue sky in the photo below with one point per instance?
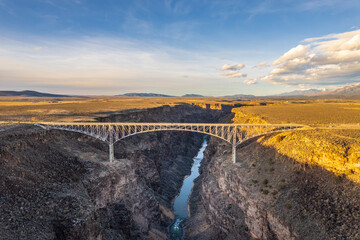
(177, 47)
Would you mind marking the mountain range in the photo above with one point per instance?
(347, 91)
(192, 95)
(28, 93)
(307, 92)
(240, 96)
(145, 95)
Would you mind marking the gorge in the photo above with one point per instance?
(59, 185)
(181, 202)
(64, 179)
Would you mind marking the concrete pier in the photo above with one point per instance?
(111, 152)
(234, 153)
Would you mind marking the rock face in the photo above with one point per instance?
(59, 185)
(267, 195)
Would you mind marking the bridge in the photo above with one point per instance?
(113, 132)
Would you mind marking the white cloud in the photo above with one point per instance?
(233, 71)
(239, 75)
(228, 74)
(262, 65)
(331, 59)
(232, 67)
(234, 74)
(294, 53)
(251, 81)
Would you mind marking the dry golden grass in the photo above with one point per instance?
(336, 150)
(81, 109)
(76, 110)
(309, 113)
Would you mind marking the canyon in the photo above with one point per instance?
(60, 185)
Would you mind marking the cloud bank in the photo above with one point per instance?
(97, 65)
(328, 60)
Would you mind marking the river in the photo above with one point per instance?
(181, 202)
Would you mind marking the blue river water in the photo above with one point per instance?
(181, 202)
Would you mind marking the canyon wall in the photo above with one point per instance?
(267, 195)
(60, 185)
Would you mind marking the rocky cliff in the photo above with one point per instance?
(59, 185)
(268, 195)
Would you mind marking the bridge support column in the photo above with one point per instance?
(111, 152)
(111, 144)
(234, 153)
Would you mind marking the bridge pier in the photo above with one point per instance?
(111, 152)
(111, 144)
(234, 153)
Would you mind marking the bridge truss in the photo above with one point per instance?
(113, 132)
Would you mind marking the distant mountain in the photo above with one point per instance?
(240, 96)
(300, 93)
(192, 95)
(145, 95)
(350, 90)
(28, 93)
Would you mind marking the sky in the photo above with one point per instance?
(176, 47)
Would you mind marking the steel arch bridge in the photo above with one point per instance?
(113, 132)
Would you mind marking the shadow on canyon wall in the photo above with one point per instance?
(267, 195)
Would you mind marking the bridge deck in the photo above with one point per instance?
(155, 123)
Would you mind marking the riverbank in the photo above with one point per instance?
(181, 203)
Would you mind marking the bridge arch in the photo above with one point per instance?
(111, 133)
(174, 130)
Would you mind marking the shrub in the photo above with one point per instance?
(279, 138)
(349, 172)
(338, 178)
(75, 177)
(265, 182)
